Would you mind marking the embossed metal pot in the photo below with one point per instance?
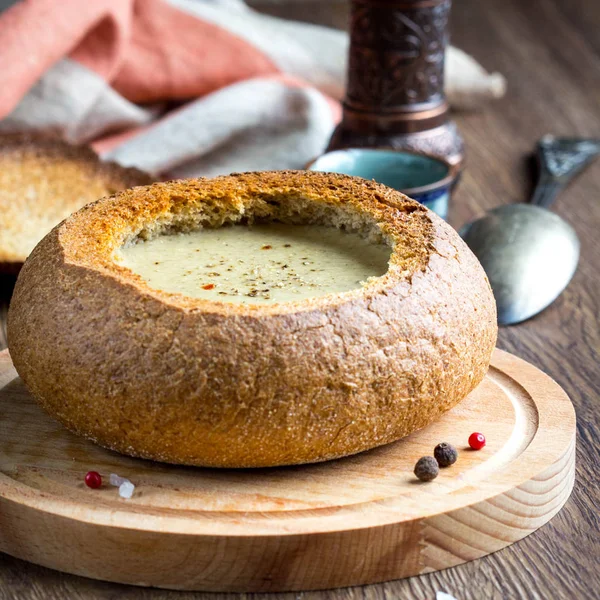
(395, 93)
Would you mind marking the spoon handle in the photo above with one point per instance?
(560, 160)
(546, 190)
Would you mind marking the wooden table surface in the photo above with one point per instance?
(549, 51)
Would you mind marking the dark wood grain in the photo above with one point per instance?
(549, 51)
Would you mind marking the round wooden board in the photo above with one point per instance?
(357, 520)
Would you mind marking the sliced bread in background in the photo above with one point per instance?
(42, 181)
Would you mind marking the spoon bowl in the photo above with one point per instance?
(529, 254)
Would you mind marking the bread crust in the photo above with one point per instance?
(185, 380)
(44, 151)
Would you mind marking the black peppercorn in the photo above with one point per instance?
(445, 454)
(427, 468)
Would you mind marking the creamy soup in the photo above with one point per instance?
(257, 264)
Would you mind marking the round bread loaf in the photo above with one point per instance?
(42, 181)
(185, 380)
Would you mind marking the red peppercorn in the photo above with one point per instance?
(477, 441)
(93, 480)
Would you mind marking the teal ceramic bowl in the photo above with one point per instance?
(423, 178)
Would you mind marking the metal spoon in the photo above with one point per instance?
(529, 253)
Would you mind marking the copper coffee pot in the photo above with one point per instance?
(395, 91)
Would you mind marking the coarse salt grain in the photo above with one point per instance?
(126, 489)
(117, 481)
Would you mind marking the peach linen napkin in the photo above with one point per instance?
(182, 88)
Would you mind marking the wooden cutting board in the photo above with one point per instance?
(356, 520)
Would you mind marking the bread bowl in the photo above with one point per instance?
(42, 181)
(195, 381)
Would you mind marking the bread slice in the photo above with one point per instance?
(42, 181)
(200, 382)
